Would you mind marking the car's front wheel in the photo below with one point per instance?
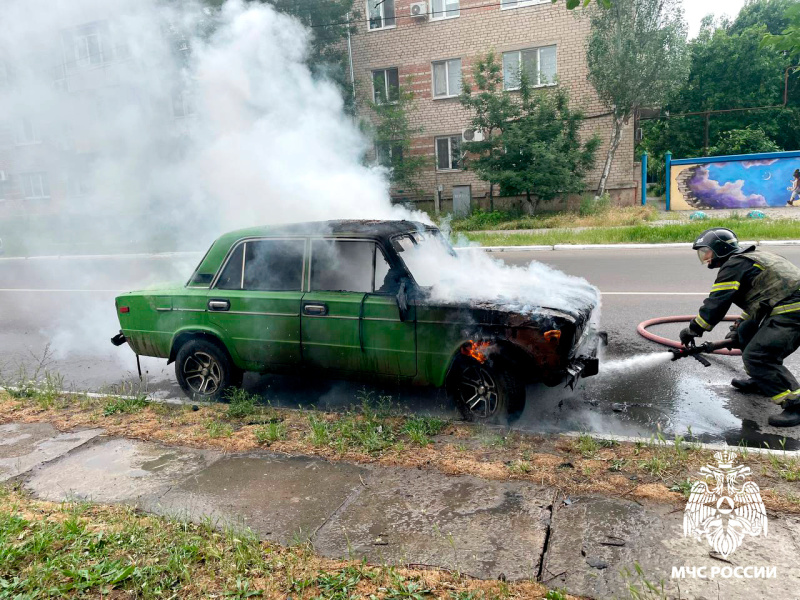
(204, 371)
(485, 391)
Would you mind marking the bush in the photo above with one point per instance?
(591, 206)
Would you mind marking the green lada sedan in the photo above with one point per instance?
(340, 299)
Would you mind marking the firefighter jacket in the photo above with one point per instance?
(758, 282)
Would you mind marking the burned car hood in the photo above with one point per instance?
(578, 307)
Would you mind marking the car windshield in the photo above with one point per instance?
(422, 252)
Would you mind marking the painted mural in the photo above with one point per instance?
(767, 182)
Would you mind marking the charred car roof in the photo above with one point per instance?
(371, 229)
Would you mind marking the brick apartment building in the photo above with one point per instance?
(437, 44)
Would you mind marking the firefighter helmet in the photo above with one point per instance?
(715, 245)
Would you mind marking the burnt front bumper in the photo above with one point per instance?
(585, 361)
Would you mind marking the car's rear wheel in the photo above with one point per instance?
(487, 391)
(205, 371)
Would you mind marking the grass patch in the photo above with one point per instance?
(241, 403)
(80, 550)
(589, 215)
(746, 229)
(270, 433)
(124, 406)
(218, 429)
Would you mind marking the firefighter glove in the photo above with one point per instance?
(688, 336)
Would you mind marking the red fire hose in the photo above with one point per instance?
(642, 329)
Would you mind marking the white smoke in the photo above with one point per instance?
(174, 123)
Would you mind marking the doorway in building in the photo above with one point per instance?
(462, 200)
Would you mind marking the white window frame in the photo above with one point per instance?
(388, 98)
(522, 4)
(449, 139)
(184, 99)
(83, 39)
(519, 52)
(446, 77)
(21, 138)
(443, 16)
(43, 182)
(382, 8)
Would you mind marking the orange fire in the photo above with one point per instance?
(552, 335)
(476, 350)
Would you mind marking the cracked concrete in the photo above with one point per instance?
(596, 540)
(487, 529)
(24, 446)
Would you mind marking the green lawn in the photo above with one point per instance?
(746, 229)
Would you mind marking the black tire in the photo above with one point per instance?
(205, 371)
(488, 392)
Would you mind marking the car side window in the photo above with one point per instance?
(387, 278)
(231, 277)
(342, 266)
(274, 265)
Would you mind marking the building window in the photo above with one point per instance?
(87, 46)
(387, 153)
(26, 133)
(34, 186)
(539, 64)
(519, 3)
(444, 9)
(381, 14)
(385, 86)
(183, 103)
(447, 78)
(448, 153)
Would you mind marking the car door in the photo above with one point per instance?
(346, 325)
(256, 301)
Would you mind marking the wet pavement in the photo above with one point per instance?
(669, 399)
(589, 545)
(386, 515)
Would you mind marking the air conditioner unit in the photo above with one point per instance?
(419, 10)
(471, 135)
(3, 176)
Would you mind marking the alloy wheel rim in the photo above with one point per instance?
(479, 392)
(202, 372)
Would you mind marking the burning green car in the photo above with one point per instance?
(351, 299)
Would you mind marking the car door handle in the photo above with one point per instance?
(219, 305)
(315, 310)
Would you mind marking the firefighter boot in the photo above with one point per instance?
(790, 417)
(746, 386)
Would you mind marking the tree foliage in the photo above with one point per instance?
(729, 68)
(743, 141)
(788, 40)
(392, 131)
(637, 58)
(531, 140)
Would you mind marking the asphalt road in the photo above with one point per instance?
(57, 314)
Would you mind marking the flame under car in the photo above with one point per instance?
(341, 297)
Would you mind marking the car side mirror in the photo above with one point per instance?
(402, 300)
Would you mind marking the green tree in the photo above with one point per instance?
(392, 131)
(531, 142)
(789, 39)
(729, 70)
(637, 58)
(743, 141)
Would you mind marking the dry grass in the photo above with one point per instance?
(607, 217)
(91, 551)
(652, 471)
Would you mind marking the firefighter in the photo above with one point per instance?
(766, 287)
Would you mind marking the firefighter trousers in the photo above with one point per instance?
(763, 356)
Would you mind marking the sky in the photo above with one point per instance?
(695, 10)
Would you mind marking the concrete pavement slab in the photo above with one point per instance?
(595, 539)
(475, 526)
(23, 446)
(117, 471)
(285, 499)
